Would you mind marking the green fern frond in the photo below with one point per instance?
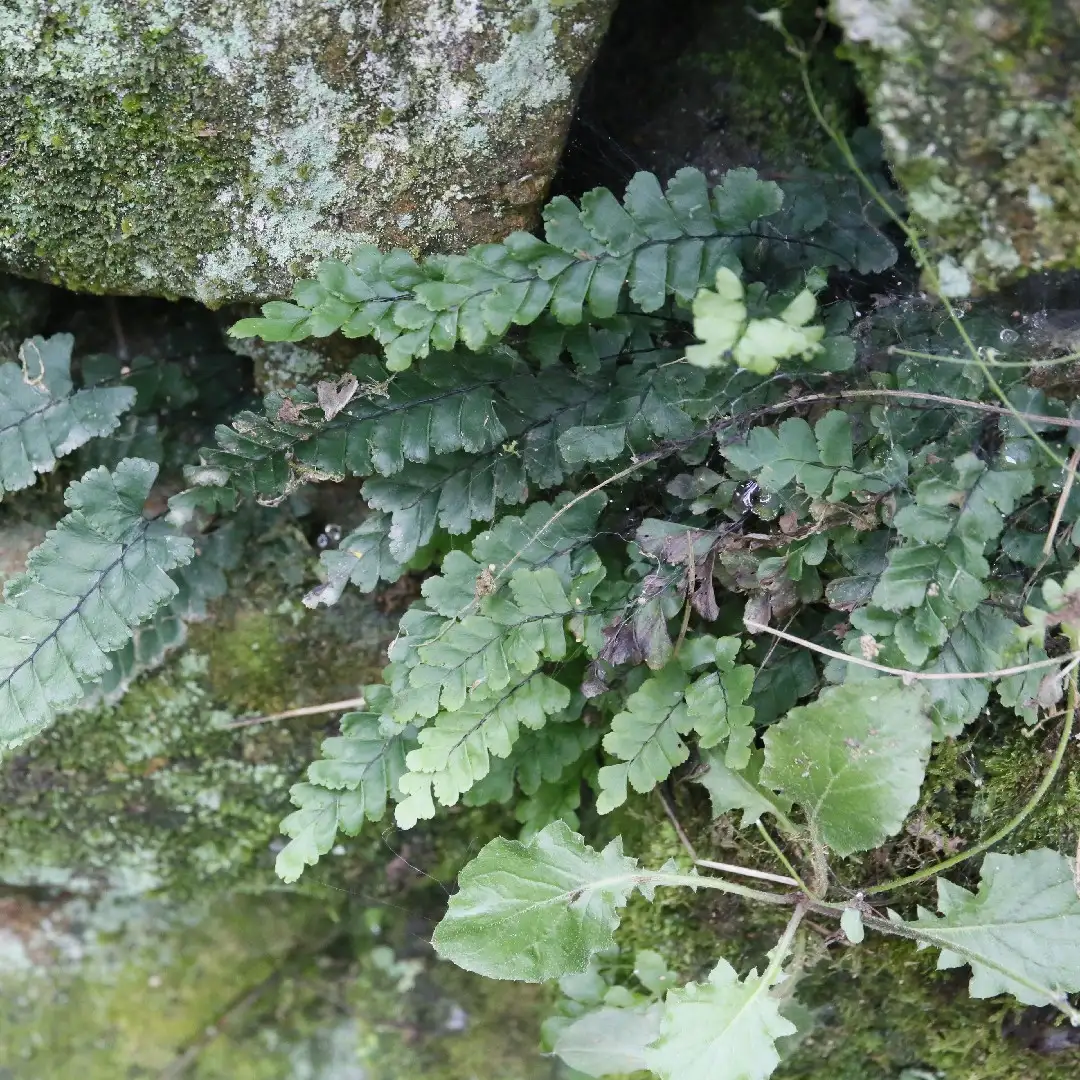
(455, 751)
(352, 782)
(98, 575)
(198, 583)
(653, 245)
(43, 417)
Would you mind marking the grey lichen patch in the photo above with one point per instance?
(978, 102)
(217, 150)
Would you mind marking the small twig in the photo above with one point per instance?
(746, 871)
(1055, 524)
(906, 673)
(1066, 490)
(690, 584)
(679, 830)
(306, 710)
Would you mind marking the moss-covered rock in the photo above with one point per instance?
(215, 150)
(156, 791)
(978, 102)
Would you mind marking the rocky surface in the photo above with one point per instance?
(978, 103)
(217, 149)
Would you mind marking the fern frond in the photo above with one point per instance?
(455, 751)
(516, 423)
(198, 583)
(352, 782)
(42, 416)
(653, 245)
(98, 575)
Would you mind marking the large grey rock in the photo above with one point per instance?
(979, 105)
(217, 148)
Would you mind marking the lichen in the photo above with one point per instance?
(218, 150)
(978, 103)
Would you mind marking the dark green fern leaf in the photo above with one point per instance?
(654, 245)
(42, 416)
(98, 575)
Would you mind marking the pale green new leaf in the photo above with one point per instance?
(41, 418)
(646, 736)
(1020, 932)
(538, 910)
(725, 1027)
(99, 574)
(609, 1041)
(854, 760)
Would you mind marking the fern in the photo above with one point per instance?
(42, 416)
(653, 245)
(350, 784)
(97, 576)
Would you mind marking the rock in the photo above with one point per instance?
(977, 102)
(216, 150)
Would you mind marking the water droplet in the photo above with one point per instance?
(322, 540)
(1009, 336)
(333, 532)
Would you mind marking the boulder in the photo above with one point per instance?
(216, 149)
(978, 103)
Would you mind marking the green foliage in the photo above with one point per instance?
(1020, 932)
(42, 416)
(660, 540)
(97, 576)
(724, 1020)
(654, 245)
(536, 910)
(853, 760)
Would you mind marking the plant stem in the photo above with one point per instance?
(783, 946)
(745, 871)
(650, 878)
(1013, 823)
(778, 852)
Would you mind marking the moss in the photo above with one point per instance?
(217, 151)
(149, 984)
(879, 1008)
(979, 99)
(155, 790)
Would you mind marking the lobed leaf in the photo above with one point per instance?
(537, 910)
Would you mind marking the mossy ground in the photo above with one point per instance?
(881, 1010)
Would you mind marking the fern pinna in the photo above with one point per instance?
(677, 519)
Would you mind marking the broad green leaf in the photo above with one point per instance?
(854, 760)
(1020, 932)
(725, 1027)
(609, 1042)
(538, 910)
(731, 789)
